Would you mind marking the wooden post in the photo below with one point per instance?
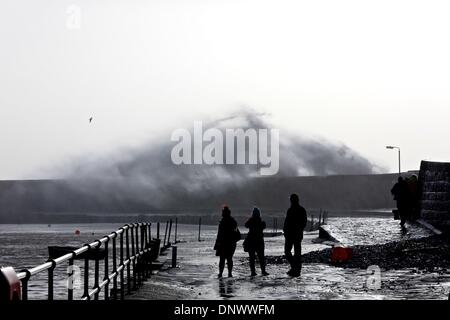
(157, 231)
(176, 230)
(165, 234)
(174, 256)
(170, 232)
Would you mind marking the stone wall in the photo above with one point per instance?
(434, 179)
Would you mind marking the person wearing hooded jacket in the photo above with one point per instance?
(254, 242)
(225, 245)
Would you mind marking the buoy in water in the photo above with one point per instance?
(77, 232)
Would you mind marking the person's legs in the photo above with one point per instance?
(402, 210)
(287, 252)
(262, 261)
(221, 265)
(252, 257)
(230, 266)
(298, 255)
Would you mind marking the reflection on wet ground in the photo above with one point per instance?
(226, 288)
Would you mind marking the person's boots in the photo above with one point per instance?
(294, 272)
(220, 271)
(230, 271)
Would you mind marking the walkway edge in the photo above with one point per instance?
(429, 226)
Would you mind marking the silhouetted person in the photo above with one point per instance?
(294, 224)
(414, 197)
(226, 241)
(254, 242)
(401, 194)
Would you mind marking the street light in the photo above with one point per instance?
(399, 161)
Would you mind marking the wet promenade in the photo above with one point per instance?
(196, 275)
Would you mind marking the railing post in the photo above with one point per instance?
(114, 261)
(106, 275)
(96, 272)
(133, 255)
(170, 232)
(143, 228)
(143, 233)
(50, 279)
(128, 259)
(174, 256)
(176, 230)
(147, 254)
(70, 280)
(137, 259)
(165, 234)
(157, 230)
(86, 276)
(122, 271)
(25, 285)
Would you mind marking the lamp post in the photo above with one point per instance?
(399, 161)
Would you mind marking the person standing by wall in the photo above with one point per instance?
(400, 191)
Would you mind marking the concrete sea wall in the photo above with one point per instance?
(434, 180)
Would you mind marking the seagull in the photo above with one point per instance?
(90, 119)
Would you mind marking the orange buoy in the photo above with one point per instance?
(341, 254)
(77, 232)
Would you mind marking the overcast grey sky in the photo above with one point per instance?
(365, 73)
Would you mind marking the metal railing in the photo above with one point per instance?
(132, 252)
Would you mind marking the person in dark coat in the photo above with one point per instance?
(226, 241)
(401, 194)
(294, 224)
(254, 242)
